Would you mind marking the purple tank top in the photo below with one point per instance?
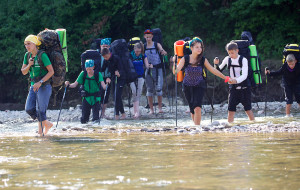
(193, 75)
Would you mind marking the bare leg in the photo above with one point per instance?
(150, 102)
(192, 116)
(288, 109)
(250, 115)
(197, 116)
(230, 116)
(159, 99)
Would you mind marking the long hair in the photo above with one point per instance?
(193, 42)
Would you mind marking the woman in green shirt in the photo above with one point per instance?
(39, 67)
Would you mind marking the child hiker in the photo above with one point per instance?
(194, 81)
(290, 72)
(139, 59)
(89, 91)
(239, 86)
(38, 65)
(154, 77)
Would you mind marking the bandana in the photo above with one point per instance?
(106, 41)
(34, 39)
(89, 63)
(195, 39)
(148, 31)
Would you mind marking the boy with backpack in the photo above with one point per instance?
(290, 72)
(90, 91)
(154, 77)
(118, 77)
(239, 86)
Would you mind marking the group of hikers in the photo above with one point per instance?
(95, 84)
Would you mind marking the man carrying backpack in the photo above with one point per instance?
(90, 91)
(154, 77)
(290, 72)
(118, 77)
(239, 88)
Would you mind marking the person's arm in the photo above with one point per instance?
(147, 63)
(278, 72)
(223, 64)
(104, 86)
(213, 70)
(73, 85)
(26, 66)
(161, 50)
(179, 66)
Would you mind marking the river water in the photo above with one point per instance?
(117, 156)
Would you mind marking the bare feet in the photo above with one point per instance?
(47, 125)
(123, 116)
(160, 111)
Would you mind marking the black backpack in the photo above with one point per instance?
(119, 47)
(244, 51)
(94, 55)
(291, 49)
(51, 45)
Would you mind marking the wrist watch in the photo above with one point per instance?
(41, 81)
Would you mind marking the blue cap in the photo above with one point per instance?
(89, 63)
(106, 41)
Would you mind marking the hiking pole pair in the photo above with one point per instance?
(101, 109)
(62, 104)
(38, 104)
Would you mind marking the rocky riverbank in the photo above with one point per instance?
(70, 121)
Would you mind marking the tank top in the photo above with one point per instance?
(193, 74)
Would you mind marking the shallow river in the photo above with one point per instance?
(151, 161)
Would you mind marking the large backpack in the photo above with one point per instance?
(291, 49)
(133, 41)
(51, 45)
(94, 55)
(119, 47)
(249, 52)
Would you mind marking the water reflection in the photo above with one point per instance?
(171, 161)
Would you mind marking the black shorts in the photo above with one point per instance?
(289, 91)
(194, 96)
(237, 96)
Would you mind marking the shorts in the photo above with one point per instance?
(237, 96)
(194, 96)
(289, 91)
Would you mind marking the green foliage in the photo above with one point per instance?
(273, 23)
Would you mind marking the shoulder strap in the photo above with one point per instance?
(229, 63)
(39, 57)
(203, 68)
(241, 61)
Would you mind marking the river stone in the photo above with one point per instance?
(144, 130)
(215, 123)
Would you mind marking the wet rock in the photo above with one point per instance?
(260, 112)
(78, 129)
(215, 123)
(153, 130)
(144, 130)
(206, 128)
(112, 129)
(181, 131)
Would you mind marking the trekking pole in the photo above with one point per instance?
(61, 104)
(266, 92)
(129, 100)
(103, 103)
(115, 96)
(176, 90)
(213, 96)
(37, 99)
(165, 72)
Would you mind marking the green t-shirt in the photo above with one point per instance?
(90, 86)
(35, 70)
